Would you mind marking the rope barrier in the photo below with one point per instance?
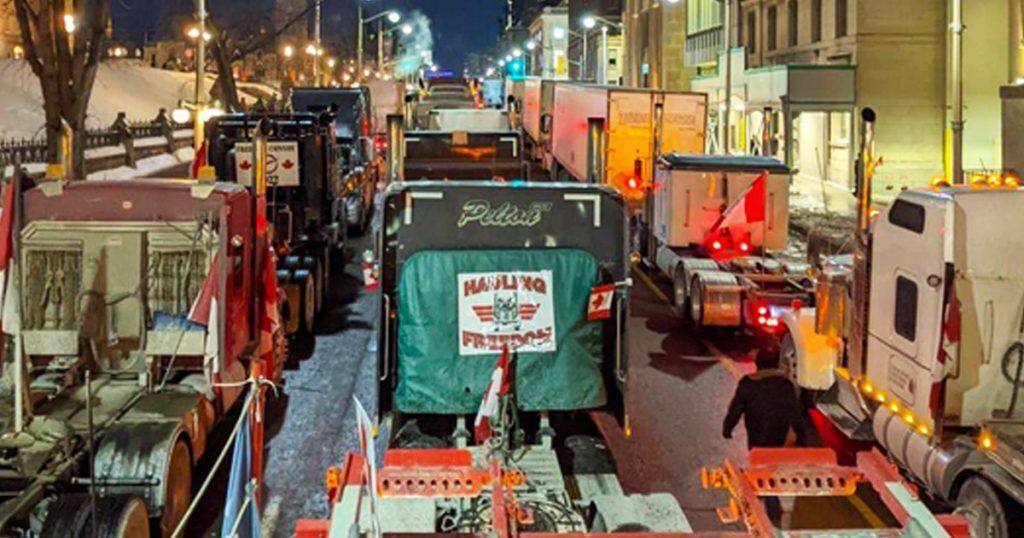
(250, 490)
(242, 417)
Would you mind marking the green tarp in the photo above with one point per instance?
(433, 378)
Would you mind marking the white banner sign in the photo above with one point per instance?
(506, 308)
(282, 164)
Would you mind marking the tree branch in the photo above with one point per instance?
(25, 13)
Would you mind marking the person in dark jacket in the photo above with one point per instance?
(768, 403)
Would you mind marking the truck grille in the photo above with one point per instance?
(53, 285)
(176, 278)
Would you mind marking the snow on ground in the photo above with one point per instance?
(147, 167)
(121, 86)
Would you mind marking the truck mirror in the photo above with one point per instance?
(545, 124)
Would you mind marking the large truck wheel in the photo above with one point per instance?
(117, 516)
(985, 508)
(679, 293)
(177, 487)
(122, 517)
(67, 516)
(696, 309)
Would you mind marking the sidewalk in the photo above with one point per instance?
(822, 216)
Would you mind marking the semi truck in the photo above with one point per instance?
(633, 128)
(305, 202)
(538, 98)
(132, 319)
(917, 337)
(724, 274)
(455, 155)
(457, 298)
(354, 128)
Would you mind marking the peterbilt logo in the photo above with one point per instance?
(504, 216)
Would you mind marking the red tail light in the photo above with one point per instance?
(716, 245)
(366, 127)
(745, 247)
(633, 183)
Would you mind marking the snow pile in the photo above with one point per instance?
(121, 86)
(147, 167)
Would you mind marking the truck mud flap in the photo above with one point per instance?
(840, 404)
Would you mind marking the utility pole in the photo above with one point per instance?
(359, 41)
(603, 77)
(380, 46)
(957, 124)
(727, 41)
(316, 40)
(583, 59)
(200, 96)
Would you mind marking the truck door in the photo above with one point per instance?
(909, 257)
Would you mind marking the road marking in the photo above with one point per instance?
(729, 364)
(865, 512)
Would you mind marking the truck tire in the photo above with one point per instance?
(985, 509)
(177, 483)
(307, 300)
(679, 296)
(122, 516)
(117, 516)
(696, 304)
(67, 516)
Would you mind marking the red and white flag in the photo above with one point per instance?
(600, 304)
(205, 312)
(498, 386)
(199, 161)
(270, 321)
(6, 248)
(749, 208)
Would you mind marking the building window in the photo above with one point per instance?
(794, 22)
(905, 318)
(752, 31)
(841, 13)
(703, 15)
(773, 26)
(815, 21)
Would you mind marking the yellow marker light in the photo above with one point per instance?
(987, 442)
(880, 396)
(1011, 182)
(894, 407)
(923, 430)
(908, 418)
(868, 387)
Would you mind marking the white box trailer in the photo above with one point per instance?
(723, 278)
(531, 109)
(484, 120)
(387, 97)
(634, 120)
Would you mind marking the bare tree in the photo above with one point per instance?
(66, 64)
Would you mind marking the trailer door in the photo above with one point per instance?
(630, 139)
(905, 308)
(683, 123)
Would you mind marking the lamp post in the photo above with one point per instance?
(200, 96)
(589, 22)
(393, 16)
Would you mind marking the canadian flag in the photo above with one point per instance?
(498, 386)
(200, 160)
(6, 247)
(749, 208)
(600, 304)
(205, 312)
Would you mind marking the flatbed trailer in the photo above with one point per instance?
(723, 277)
(461, 155)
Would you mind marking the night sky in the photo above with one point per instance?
(459, 26)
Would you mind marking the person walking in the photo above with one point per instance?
(768, 403)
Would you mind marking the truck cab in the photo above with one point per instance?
(927, 364)
(359, 165)
(304, 202)
(130, 306)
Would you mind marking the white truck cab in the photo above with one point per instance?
(933, 350)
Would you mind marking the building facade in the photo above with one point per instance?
(549, 59)
(592, 50)
(655, 34)
(801, 70)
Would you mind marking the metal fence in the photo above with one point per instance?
(34, 150)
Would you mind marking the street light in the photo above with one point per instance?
(69, 23)
(558, 32)
(406, 29)
(531, 45)
(331, 62)
(589, 22)
(517, 53)
(311, 49)
(394, 17)
(391, 15)
(289, 51)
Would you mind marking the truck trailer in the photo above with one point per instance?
(633, 128)
(724, 274)
(917, 337)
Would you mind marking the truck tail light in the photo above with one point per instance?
(633, 183)
(745, 247)
(366, 127)
(716, 245)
